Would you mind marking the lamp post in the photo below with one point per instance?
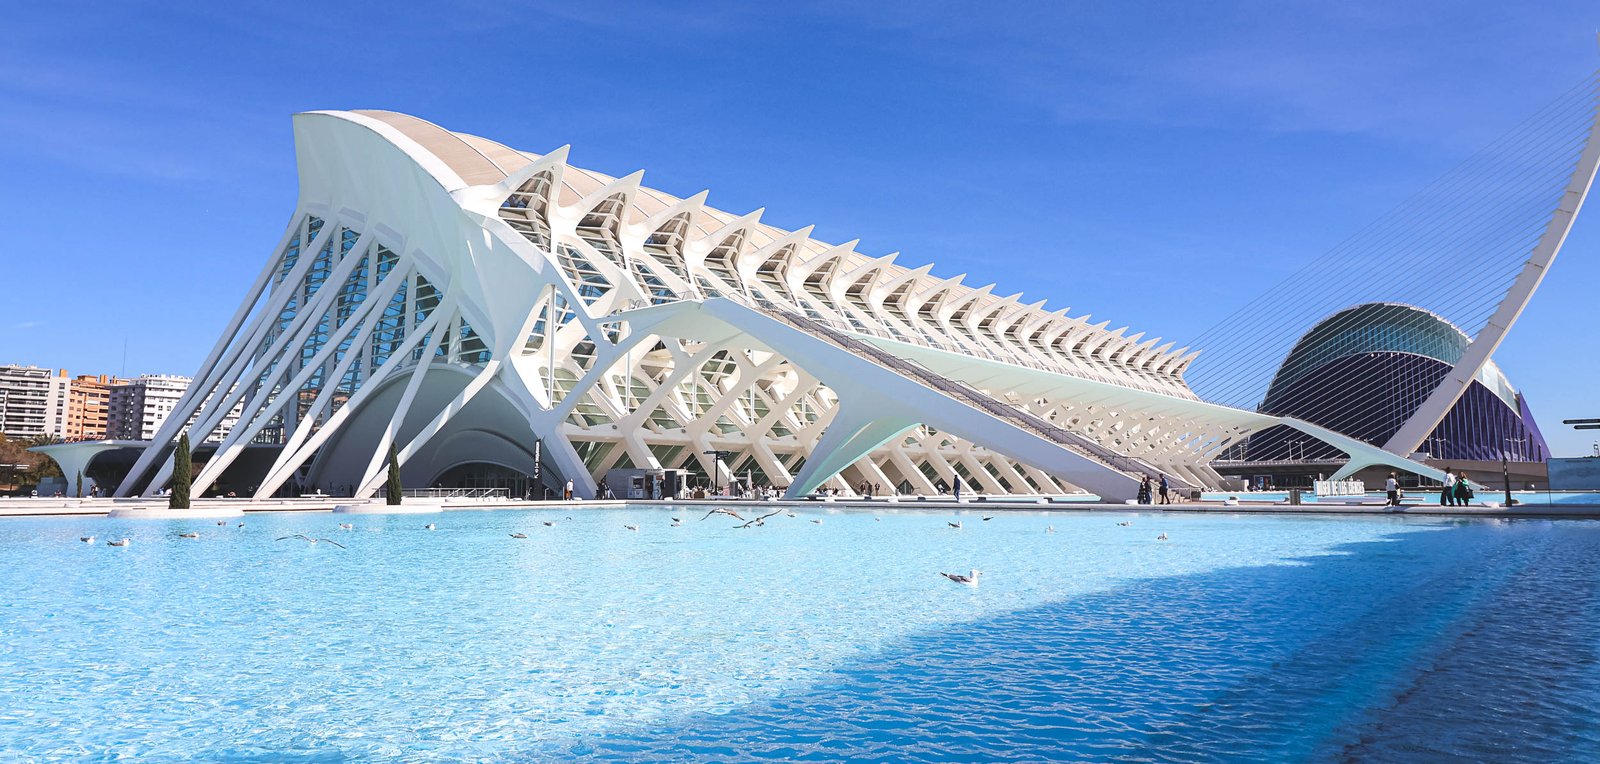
(719, 457)
(1505, 467)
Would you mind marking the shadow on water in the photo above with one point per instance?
(1470, 643)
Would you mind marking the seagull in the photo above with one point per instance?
(346, 526)
(988, 518)
(310, 540)
(1125, 523)
(971, 579)
(1049, 529)
(189, 535)
(118, 542)
(631, 527)
(956, 525)
(549, 524)
(222, 522)
(1162, 537)
(721, 511)
(791, 514)
(818, 521)
(240, 525)
(86, 539)
(877, 519)
(758, 521)
(428, 527)
(519, 535)
(676, 522)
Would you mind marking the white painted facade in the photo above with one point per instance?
(33, 402)
(462, 300)
(139, 407)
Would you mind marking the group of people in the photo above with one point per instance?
(1147, 488)
(1455, 491)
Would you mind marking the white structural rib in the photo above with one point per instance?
(475, 306)
(1408, 439)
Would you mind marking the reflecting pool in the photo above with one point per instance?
(1239, 637)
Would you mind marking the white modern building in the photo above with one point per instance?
(33, 401)
(139, 407)
(472, 305)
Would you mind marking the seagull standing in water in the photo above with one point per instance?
(428, 527)
(956, 525)
(970, 579)
(1162, 537)
(118, 542)
(346, 527)
(519, 535)
(86, 539)
(189, 535)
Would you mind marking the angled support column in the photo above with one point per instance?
(853, 434)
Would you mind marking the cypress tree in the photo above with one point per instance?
(182, 475)
(393, 489)
(79, 494)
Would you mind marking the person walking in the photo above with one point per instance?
(1392, 486)
(958, 488)
(1144, 490)
(1165, 498)
(1447, 491)
(1463, 490)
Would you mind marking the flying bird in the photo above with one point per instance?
(1049, 529)
(758, 521)
(721, 511)
(309, 540)
(987, 518)
(631, 527)
(956, 525)
(971, 579)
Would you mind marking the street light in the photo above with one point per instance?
(719, 456)
(1505, 467)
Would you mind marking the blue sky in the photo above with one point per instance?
(1153, 164)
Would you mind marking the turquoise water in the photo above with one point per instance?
(1239, 638)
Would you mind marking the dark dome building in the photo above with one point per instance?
(1365, 370)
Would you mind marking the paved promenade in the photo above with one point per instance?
(45, 507)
